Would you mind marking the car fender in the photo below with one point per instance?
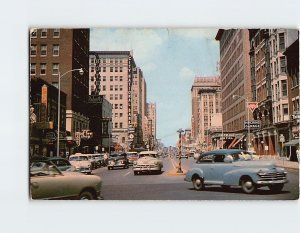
(194, 171)
(233, 177)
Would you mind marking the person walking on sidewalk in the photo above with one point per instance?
(298, 154)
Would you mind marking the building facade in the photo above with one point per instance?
(111, 75)
(235, 80)
(151, 122)
(53, 54)
(206, 103)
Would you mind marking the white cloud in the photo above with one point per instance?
(186, 74)
(144, 43)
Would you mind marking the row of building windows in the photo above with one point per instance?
(103, 69)
(43, 68)
(111, 78)
(118, 125)
(44, 50)
(44, 33)
(104, 60)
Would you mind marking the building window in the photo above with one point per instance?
(111, 87)
(121, 69)
(116, 87)
(111, 69)
(111, 61)
(121, 125)
(104, 88)
(92, 69)
(111, 97)
(43, 50)
(121, 106)
(43, 68)
(104, 78)
(44, 33)
(284, 87)
(121, 78)
(111, 78)
(285, 109)
(56, 33)
(121, 87)
(121, 96)
(116, 97)
(33, 33)
(116, 78)
(104, 69)
(116, 124)
(116, 69)
(55, 50)
(92, 60)
(33, 68)
(92, 88)
(55, 68)
(121, 114)
(281, 41)
(92, 78)
(282, 65)
(33, 50)
(116, 106)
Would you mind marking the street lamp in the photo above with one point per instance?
(58, 102)
(248, 117)
(179, 163)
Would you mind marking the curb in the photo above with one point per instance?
(174, 173)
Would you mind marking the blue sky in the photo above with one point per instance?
(170, 60)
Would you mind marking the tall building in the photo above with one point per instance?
(58, 51)
(111, 75)
(235, 80)
(270, 88)
(144, 111)
(206, 103)
(151, 117)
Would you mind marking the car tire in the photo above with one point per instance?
(248, 186)
(86, 196)
(198, 183)
(276, 188)
(108, 168)
(135, 173)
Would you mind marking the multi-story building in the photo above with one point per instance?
(53, 54)
(144, 111)
(270, 88)
(235, 80)
(111, 75)
(151, 117)
(206, 102)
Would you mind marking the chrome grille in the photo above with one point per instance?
(145, 166)
(272, 176)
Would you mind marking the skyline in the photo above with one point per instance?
(166, 56)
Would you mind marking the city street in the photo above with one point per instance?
(122, 184)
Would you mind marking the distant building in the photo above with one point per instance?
(206, 103)
(151, 116)
(235, 80)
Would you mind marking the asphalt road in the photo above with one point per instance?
(122, 184)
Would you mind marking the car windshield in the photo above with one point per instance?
(147, 155)
(241, 156)
(114, 155)
(43, 169)
(132, 155)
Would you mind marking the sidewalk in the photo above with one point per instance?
(282, 161)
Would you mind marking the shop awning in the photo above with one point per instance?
(233, 141)
(293, 142)
(236, 142)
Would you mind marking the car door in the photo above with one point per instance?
(219, 168)
(205, 164)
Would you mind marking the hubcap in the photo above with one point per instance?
(248, 184)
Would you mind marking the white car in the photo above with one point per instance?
(148, 161)
(81, 162)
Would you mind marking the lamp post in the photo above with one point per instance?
(179, 162)
(58, 102)
(248, 117)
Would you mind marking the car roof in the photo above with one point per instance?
(223, 151)
(43, 158)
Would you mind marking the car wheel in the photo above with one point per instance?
(86, 196)
(248, 185)
(198, 183)
(135, 173)
(108, 168)
(276, 188)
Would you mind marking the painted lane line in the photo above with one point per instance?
(126, 174)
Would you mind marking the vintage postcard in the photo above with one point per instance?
(164, 114)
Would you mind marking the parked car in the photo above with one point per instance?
(132, 156)
(117, 160)
(234, 167)
(48, 182)
(92, 159)
(61, 163)
(147, 162)
(81, 162)
(99, 158)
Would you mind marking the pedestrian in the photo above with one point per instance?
(105, 157)
(298, 154)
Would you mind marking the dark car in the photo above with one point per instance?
(132, 156)
(117, 161)
(61, 163)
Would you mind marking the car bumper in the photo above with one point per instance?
(146, 168)
(268, 182)
(119, 165)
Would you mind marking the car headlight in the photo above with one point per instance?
(134, 162)
(155, 162)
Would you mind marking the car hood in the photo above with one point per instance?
(80, 163)
(256, 163)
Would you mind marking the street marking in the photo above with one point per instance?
(126, 174)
